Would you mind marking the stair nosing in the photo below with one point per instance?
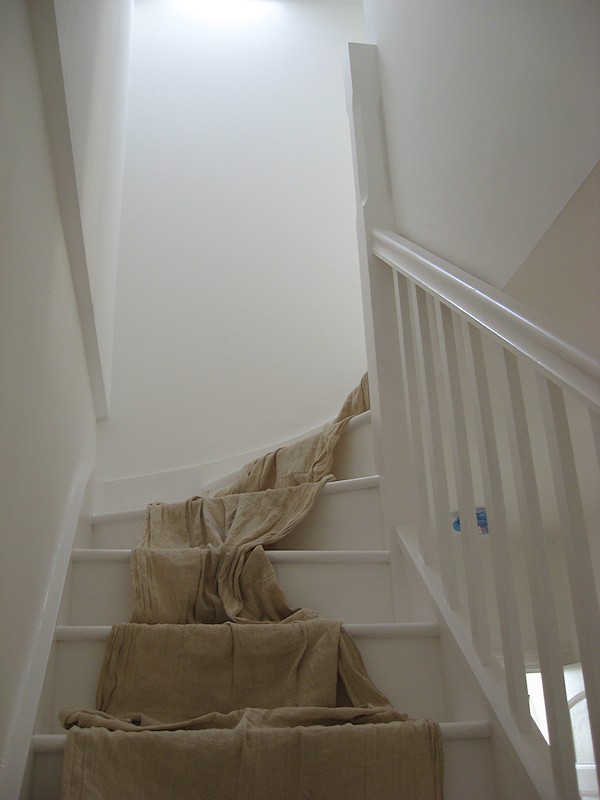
(351, 485)
(358, 420)
(101, 554)
(329, 556)
(478, 729)
(451, 731)
(332, 487)
(360, 630)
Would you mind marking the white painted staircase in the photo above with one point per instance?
(336, 563)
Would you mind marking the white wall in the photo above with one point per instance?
(47, 426)
(492, 114)
(94, 48)
(239, 318)
(561, 276)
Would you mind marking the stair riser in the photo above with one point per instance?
(339, 521)
(102, 593)
(46, 776)
(468, 768)
(468, 773)
(123, 534)
(351, 592)
(354, 454)
(406, 669)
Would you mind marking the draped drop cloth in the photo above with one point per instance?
(217, 689)
(182, 586)
(307, 461)
(263, 758)
(179, 672)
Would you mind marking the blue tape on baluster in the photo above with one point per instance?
(482, 522)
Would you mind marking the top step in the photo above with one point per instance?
(353, 458)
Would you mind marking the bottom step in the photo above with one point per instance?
(468, 772)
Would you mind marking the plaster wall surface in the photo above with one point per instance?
(95, 48)
(238, 313)
(47, 424)
(561, 276)
(492, 115)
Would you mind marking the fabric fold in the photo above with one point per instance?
(307, 461)
(395, 759)
(181, 586)
(234, 520)
(173, 673)
(255, 717)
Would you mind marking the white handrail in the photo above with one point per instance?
(496, 312)
(561, 367)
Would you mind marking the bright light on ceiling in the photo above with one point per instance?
(226, 12)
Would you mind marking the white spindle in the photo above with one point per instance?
(435, 446)
(542, 598)
(577, 550)
(595, 423)
(463, 475)
(421, 514)
(506, 595)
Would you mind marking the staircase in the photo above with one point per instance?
(334, 562)
(473, 403)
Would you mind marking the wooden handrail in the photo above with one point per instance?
(497, 313)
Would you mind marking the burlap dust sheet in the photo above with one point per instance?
(219, 690)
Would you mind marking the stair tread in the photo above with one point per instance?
(55, 742)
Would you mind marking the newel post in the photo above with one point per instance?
(375, 210)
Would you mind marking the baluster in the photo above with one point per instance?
(595, 423)
(433, 435)
(542, 599)
(476, 598)
(504, 580)
(577, 550)
(421, 513)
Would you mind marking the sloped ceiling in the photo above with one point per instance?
(492, 114)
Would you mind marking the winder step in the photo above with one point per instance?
(345, 517)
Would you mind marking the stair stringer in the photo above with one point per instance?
(464, 697)
(75, 531)
(521, 761)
